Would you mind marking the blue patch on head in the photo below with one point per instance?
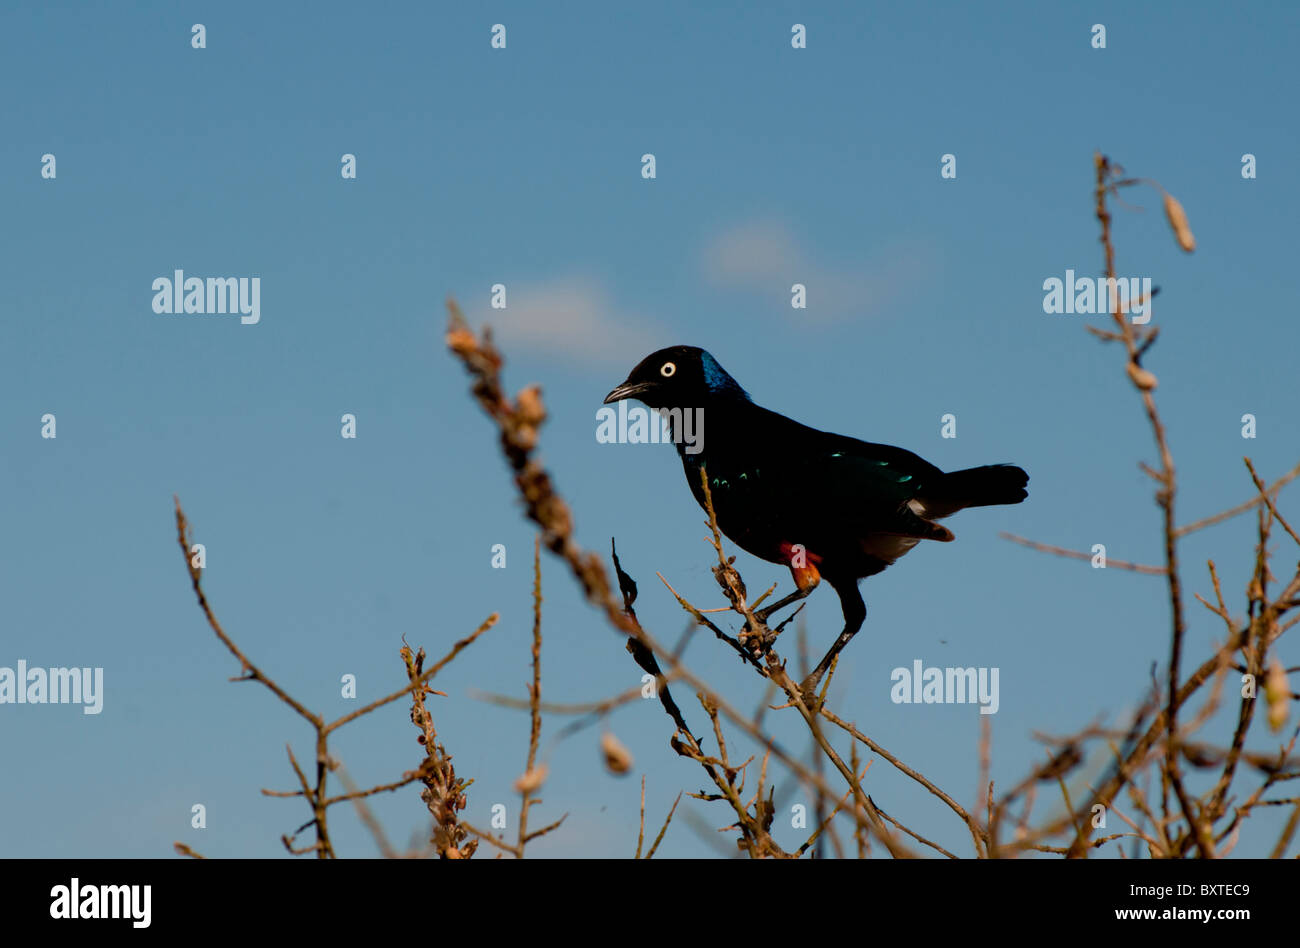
(716, 377)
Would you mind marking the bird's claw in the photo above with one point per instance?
(808, 692)
(759, 641)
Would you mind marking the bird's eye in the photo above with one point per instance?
(667, 370)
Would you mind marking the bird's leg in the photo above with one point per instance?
(805, 578)
(855, 611)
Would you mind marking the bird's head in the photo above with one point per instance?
(678, 377)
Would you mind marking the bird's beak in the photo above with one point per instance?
(627, 390)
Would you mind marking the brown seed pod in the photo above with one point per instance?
(461, 341)
(1141, 377)
(528, 405)
(1178, 221)
(1278, 693)
(531, 780)
(618, 759)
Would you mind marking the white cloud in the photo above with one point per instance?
(573, 317)
(763, 257)
(752, 254)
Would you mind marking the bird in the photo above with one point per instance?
(828, 506)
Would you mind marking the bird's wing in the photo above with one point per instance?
(872, 487)
(771, 472)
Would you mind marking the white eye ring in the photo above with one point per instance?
(667, 370)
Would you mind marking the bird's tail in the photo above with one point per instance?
(977, 487)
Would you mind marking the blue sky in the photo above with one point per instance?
(522, 166)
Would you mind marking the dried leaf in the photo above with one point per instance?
(626, 584)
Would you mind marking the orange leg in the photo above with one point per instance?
(803, 570)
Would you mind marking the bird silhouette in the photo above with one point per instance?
(825, 505)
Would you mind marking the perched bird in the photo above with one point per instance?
(825, 505)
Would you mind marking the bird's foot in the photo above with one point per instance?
(758, 641)
(808, 691)
(805, 581)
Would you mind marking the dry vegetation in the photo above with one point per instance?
(1174, 790)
